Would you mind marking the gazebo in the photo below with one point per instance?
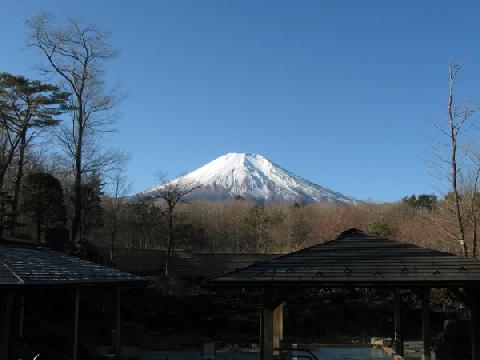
(355, 259)
(27, 266)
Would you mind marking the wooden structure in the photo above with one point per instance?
(26, 266)
(355, 259)
(182, 264)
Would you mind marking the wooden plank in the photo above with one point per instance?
(266, 337)
(367, 269)
(398, 339)
(354, 277)
(473, 297)
(117, 344)
(75, 323)
(426, 324)
(7, 306)
(277, 328)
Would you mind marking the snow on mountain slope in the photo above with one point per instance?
(254, 177)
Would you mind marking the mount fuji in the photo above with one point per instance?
(254, 178)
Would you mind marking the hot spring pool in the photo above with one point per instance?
(349, 353)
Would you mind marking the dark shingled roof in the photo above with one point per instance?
(23, 263)
(356, 259)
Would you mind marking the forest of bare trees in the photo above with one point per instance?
(239, 226)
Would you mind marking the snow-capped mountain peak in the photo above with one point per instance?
(254, 177)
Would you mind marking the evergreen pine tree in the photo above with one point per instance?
(43, 202)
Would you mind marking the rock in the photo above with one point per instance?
(381, 341)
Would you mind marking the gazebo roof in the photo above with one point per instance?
(23, 263)
(355, 259)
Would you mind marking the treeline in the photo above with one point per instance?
(243, 227)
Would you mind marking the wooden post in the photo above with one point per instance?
(266, 326)
(426, 324)
(261, 331)
(8, 300)
(277, 328)
(473, 298)
(266, 346)
(116, 337)
(75, 323)
(21, 316)
(398, 323)
(17, 317)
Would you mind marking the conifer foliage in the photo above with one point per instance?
(43, 202)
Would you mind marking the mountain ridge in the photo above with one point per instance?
(253, 177)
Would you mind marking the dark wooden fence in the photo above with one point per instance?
(144, 261)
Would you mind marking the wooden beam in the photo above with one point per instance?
(398, 341)
(473, 297)
(266, 325)
(18, 314)
(426, 324)
(21, 316)
(75, 323)
(8, 300)
(261, 330)
(277, 328)
(266, 336)
(116, 338)
(475, 331)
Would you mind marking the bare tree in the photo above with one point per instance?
(120, 188)
(458, 121)
(76, 53)
(474, 211)
(172, 193)
(143, 217)
(470, 190)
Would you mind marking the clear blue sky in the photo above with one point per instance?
(341, 93)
